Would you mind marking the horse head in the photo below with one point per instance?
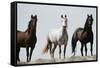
(89, 21)
(32, 24)
(64, 20)
(33, 20)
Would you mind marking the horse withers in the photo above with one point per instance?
(27, 39)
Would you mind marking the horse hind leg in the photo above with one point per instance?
(18, 50)
(85, 50)
(53, 50)
(50, 46)
(59, 51)
(27, 51)
(91, 49)
(82, 49)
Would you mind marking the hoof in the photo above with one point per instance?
(28, 60)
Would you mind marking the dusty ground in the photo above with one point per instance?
(67, 59)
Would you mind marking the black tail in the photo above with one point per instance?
(75, 39)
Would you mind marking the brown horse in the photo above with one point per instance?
(27, 39)
(84, 35)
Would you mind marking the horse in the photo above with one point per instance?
(84, 35)
(57, 37)
(27, 39)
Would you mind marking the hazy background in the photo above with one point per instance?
(49, 17)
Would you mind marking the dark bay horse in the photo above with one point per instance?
(84, 35)
(27, 39)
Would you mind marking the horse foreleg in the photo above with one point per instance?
(27, 51)
(32, 48)
(91, 49)
(82, 49)
(59, 51)
(85, 50)
(64, 50)
(18, 50)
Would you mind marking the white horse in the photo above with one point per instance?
(57, 37)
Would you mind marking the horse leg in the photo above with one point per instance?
(32, 48)
(59, 51)
(91, 49)
(85, 50)
(27, 51)
(65, 50)
(74, 53)
(50, 46)
(82, 49)
(53, 50)
(18, 50)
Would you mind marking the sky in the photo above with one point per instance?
(49, 17)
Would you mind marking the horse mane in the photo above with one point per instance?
(86, 28)
(31, 28)
(34, 28)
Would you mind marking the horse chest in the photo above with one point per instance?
(63, 39)
(85, 37)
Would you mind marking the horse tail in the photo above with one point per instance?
(73, 45)
(45, 50)
(75, 39)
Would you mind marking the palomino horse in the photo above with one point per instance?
(27, 39)
(57, 37)
(84, 35)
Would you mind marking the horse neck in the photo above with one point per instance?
(33, 30)
(63, 30)
(88, 29)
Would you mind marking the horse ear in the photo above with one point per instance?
(61, 16)
(32, 16)
(65, 15)
(91, 15)
(35, 15)
(88, 15)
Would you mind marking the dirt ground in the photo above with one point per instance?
(67, 59)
